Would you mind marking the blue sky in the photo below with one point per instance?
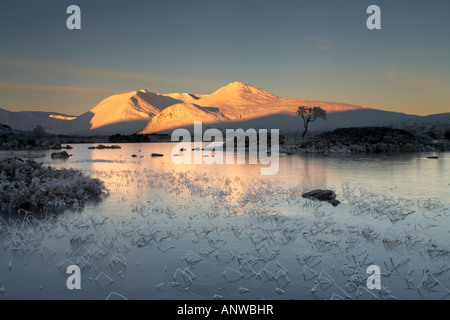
(317, 50)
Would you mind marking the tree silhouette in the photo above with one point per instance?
(310, 114)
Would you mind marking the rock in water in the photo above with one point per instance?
(322, 195)
(60, 155)
(319, 194)
(335, 202)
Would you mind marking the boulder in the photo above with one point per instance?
(322, 195)
(55, 146)
(102, 147)
(335, 202)
(60, 155)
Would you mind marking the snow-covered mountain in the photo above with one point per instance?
(236, 105)
(436, 124)
(28, 120)
(182, 115)
(124, 113)
(238, 102)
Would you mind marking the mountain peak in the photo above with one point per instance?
(243, 90)
(240, 86)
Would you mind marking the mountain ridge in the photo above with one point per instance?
(237, 103)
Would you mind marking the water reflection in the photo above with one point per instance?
(405, 175)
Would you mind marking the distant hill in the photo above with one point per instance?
(436, 125)
(28, 120)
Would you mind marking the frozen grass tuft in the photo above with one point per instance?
(26, 184)
(115, 296)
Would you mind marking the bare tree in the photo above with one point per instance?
(310, 114)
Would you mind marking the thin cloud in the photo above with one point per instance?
(51, 89)
(45, 66)
(397, 79)
(319, 43)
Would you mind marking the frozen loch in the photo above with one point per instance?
(167, 231)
